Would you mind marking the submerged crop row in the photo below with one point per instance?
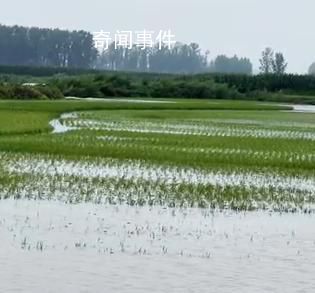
(194, 128)
(137, 182)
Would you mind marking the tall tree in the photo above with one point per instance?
(181, 58)
(224, 64)
(279, 64)
(266, 61)
(311, 69)
(46, 47)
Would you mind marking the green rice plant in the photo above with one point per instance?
(219, 154)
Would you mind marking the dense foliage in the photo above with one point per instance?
(224, 64)
(292, 83)
(181, 58)
(114, 85)
(23, 46)
(259, 87)
(100, 84)
(46, 47)
(26, 92)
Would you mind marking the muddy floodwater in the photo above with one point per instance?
(55, 247)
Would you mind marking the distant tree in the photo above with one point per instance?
(279, 64)
(182, 58)
(46, 47)
(311, 70)
(266, 61)
(224, 64)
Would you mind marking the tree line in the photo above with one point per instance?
(23, 46)
(46, 47)
(181, 58)
(56, 83)
(269, 87)
(287, 83)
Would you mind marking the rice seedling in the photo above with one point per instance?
(222, 155)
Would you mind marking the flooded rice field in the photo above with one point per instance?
(106, 248)
(159, 201)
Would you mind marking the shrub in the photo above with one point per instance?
(20, 92)
(4, 92)
(27, 93)
(51, 92)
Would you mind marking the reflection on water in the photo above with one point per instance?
(53, 247)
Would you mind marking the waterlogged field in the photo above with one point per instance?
(178, 186)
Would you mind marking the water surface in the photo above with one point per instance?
(54, 247)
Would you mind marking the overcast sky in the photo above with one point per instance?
(242, 27)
